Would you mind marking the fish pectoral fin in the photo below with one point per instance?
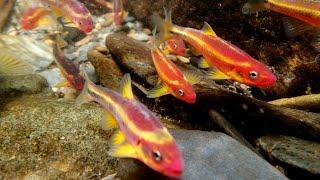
(158, 91)
(118, 138)
(10, 65)
(192, 77)
(125, 87)
(295, 27)
(124, 150)
(207, 29)
(217, 74)
(108, 121)
(203, 63)
(63, 83)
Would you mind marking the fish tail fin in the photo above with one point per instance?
(84, 96)
(253, 6)
(164, 25)
(11, 65)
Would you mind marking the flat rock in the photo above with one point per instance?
(32, 83)
(295, 152)
(208, 155)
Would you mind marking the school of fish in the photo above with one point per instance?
(140, 134)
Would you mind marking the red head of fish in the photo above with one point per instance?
(257, 74)
(85, 24)
(165, 158)
(118, 12)
(184, 91)
(31, 17)
(76, 81)
(176, 46)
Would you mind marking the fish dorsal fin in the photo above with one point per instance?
(203, 64)
(158, 91)
(125, 87)
(118, 138)
(108, 121)
(124, 150)
(295, 27)
(217, 74)
(207, 29)
(192, 77)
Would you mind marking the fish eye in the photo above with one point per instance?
(253, 74)
(156, 155)
(80, 23)
(181, 92)
(175, 46)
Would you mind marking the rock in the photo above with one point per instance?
(53, 138)
(107, 69)
(35, 53)
(53, 76)
(295, 152)
(32, 83)
(208, 155)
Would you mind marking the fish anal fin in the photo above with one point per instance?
(192, 77)
(108, 121)
(125, 87)
(63, 83)
(208, 30)
(217, 74)
(295, 27)
(203, 63)
(158, 91)
(124, 150)
(118, 138)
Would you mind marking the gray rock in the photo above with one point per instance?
(53, 76)
(32, 83)
(209, 155)
(295, 152)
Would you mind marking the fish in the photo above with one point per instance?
(10, 64)
(226, 60)
(118, 12)
(35, 17)
(175, 45)
(307, 11)
(68, 69)
(140, 134)
(73, 10)
(173, 81)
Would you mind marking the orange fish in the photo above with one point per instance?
(228, 61)
(307, 11)
(173, 81)
(141, 135)
(118, 12)
(34, 17)
(175, 45)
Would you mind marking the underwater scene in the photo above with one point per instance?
(159, 89)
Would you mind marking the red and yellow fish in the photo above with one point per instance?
(71, 9)
(35, 17)
(118, 12)
(69, 70)
(173, 81)
(141, 134)
(229, 61)
(175, 45)
(307, 11)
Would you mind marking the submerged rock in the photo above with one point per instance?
(32, 83)
(208, 155)
(293, 151)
